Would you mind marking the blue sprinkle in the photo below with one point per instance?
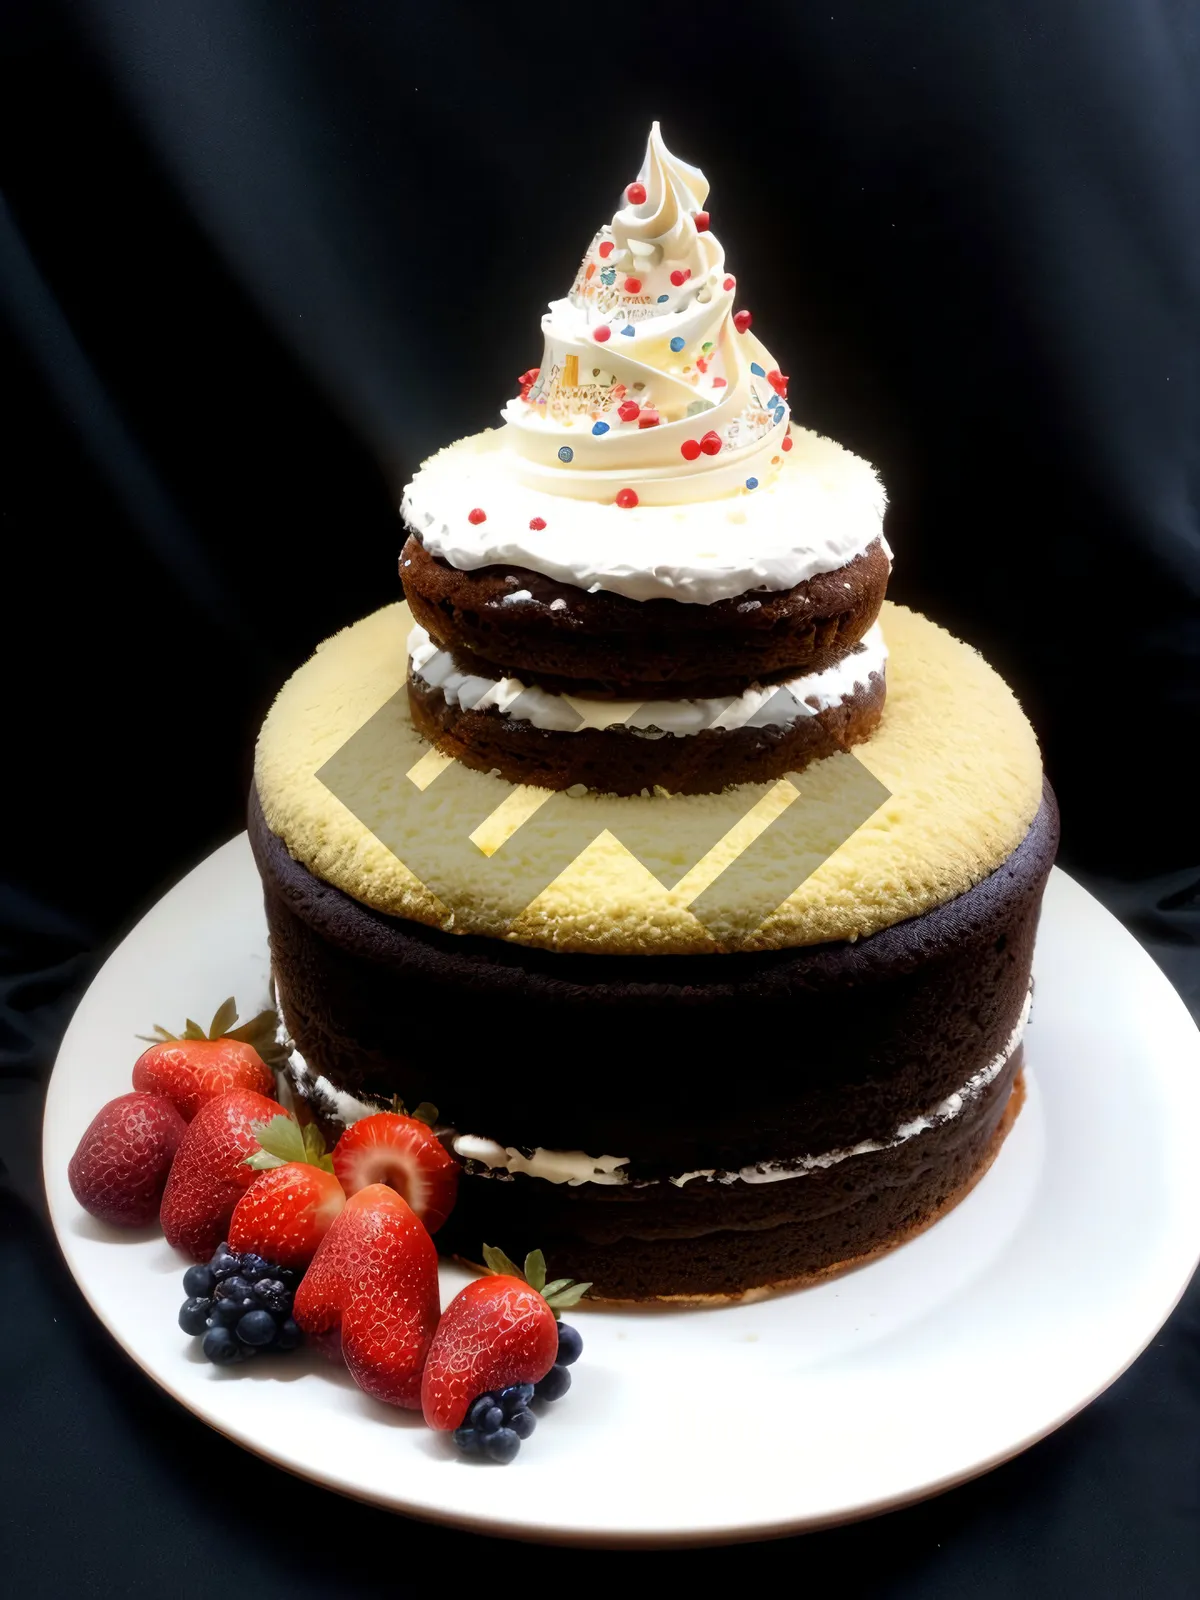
(752, 483)
(779, 413)
(663, 298)
(677, 342)
(566, 453)
(627, 330)
(757, 370)
(598, 427)
(608, 275)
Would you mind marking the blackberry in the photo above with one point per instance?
(495, 1424)
(240, 1305)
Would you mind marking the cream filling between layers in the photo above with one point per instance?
(778, 705)
(575, 1166)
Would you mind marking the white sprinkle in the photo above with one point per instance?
(517, 594)
(558, 605)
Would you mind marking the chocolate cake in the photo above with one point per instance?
(694, 883)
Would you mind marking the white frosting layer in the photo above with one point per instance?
(822, 509)
(778, 705)
(582, 1168)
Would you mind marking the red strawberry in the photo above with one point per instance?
(197, 1067)
(119, 1170)
(405, 1154)
(210, 1171)
(499, 1330)
(285, 1213)
(374, 1279)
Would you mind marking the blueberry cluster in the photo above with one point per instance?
(240, 1305)
(496, 1423)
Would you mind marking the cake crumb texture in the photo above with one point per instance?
(953, 748)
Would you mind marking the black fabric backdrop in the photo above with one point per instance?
(258, 259)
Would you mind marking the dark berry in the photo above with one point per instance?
(199, 1281)
(274, 1295)
(235, 1288)
(287, 1276)
(289, 1336)
(554, 1385)
(516, 1397)
(220, 1346)
(467, 1441)
(193, 1315)
(225, 1313)
(522, 1423)
(224, 1262)
(501, 1446)
(490, 1420)
(570, 1345)
(255, 1267)
(257, 1328)
(479, 1408)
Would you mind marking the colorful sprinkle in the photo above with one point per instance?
(633, 285)
(628, 410)
(599, 428)
(606, 249)
(786, 445)
(477, 516)
(742, 320)
(602, 334)
(680, 275)
(707, 346)
(711, 443)
(678, 342)
(719, 383)
(757, 370)
(627, 330)
(729, 282)
(566, 453)
(690, 449)
(778, 381)
(537, 523)
(627, 499)
(649, 419)
(608, 276)
(752, 483)
(591, 268)
(662, 299)
(636, 194)
(701, 221)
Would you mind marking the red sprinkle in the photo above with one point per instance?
(779, 382)
(636, 195)
(730, 282)
(649, 419)
(742, 320)
(719, 383)
(477, 516)
(690, 449)
(602, 333)
(632, 285)
(627, 499)
(628, 411)
(701, 220)
(681, 275)
(537, 523)
(606, 249)
(786, 445)
(711, 443)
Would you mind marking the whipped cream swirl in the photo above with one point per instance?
(647, 381)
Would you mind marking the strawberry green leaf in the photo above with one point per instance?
(564, 1299)
(159, 1036)
(282, 1137)
(261, 1033)
(263, 1161)
(193, 1030)
(426, 1112)
(497, 1262)
(223, 1019)
(314, 1148)
(551, 1289)
(535, 1270)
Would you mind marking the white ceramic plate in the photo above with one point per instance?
(889, 1384)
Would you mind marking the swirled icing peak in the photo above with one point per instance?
(651, 385)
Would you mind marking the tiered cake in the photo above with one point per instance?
(533, 851)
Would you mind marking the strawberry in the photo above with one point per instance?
(374, 1280)
(404, 1153)
(501, 1330)
(210, 1171)
(287, 1210)
(120, 1167)
(197, 1067)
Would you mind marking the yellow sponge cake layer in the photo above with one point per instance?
(948, 785)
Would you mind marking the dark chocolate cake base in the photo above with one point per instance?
(622, 761)
(676, 1063)
(574, 642)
